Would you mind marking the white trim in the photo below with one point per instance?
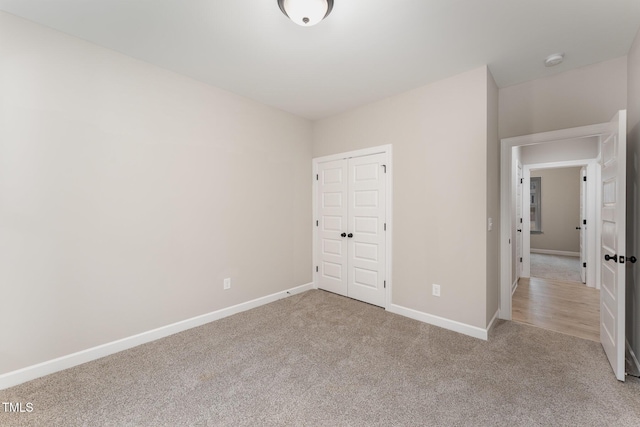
(506, 220)
(514, 286)
(557, 135)
(20, 376)
(506, 223)
(314, 226)
(634, 359)
(554, 252)
(451, 325)
(381, 149)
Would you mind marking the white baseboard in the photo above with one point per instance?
(496, 316)
(634, 359)
(552, 252)
(442, 322)
(29, 373)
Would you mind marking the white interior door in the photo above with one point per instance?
(366, 234)
(519, 223)
(332, 226)
(612, 292)
(583, 224)
(351, 243)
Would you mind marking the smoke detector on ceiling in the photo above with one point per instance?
(554, 59)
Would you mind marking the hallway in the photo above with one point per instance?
(566, 307)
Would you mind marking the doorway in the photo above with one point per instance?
(352, 224)
(556, 225)
(560, 219)
(610, 229)
(558, 216)
(572, 141)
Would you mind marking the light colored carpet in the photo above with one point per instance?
(556, 267)
(318, 359)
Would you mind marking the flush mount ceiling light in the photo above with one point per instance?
(554, 59)
(306, 12)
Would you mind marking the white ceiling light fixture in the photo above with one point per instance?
(306, 12)
(554, 59)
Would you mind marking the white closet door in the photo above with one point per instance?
(332, 218)
(366, 228)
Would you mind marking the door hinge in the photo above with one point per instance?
(584, 222)
(522, 180)
(316, 177)
(316, 223)
(520, 220)
(385, 226)
(385, 168)
(584, 178)
(385, 284)
(316, 268)
(521, 257)
(584, 264)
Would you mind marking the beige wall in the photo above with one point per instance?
(127, 194)
(580, 97)
(439, 136)
(560, 210)
(633, 196)
(560, 151)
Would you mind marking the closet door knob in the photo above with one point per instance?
(344, 234)
(350, 235)
(614, 258)
(632, 259)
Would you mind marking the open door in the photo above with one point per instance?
(583, 224)
(612, 292)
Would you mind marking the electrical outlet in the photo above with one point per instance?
(227, 283)
(436, 290)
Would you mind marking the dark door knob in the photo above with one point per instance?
(614, 258)
(578, 228)
(519, 230)
(344, 234)
(350, 235)
(632, 259)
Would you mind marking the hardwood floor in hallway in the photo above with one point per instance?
(566, 307)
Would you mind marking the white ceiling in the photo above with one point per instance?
(364, 51)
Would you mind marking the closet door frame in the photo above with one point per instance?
(382, 149)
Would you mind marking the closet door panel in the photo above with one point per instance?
(366, 223)
(332, 223)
